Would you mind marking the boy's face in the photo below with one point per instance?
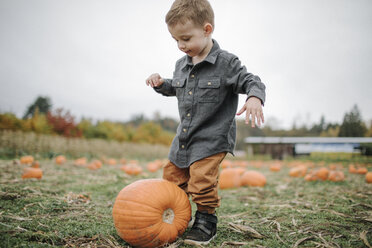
(191, 39)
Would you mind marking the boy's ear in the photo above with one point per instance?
(208, 28)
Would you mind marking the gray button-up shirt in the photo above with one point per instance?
(207, 96)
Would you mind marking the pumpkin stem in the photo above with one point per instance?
(168, 216)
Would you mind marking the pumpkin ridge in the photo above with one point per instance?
(139, 203)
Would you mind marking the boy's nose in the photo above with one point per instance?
(181, 45)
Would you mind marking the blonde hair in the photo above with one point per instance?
(197, 11)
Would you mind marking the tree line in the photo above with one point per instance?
(39, 117)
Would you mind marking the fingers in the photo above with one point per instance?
(154, 80)
(253, 116)
(241, 111)
(256, 117)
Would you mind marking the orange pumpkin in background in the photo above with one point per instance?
(253, 178)
(352, 169)
(60, 159)
(311, 176)
(298, 171)
(26, 159)
(81, 161)
(361, 170)
(230, 177)
(35, 164)
(32, 173)
(94, 165)
(153, 166)
(275, 167)
(369, 177)
(151, 213)
(111, 161)
(226, 164)
(322, 173)
(336, 176)
(132, 169)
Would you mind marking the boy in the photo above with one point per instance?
(207, 82)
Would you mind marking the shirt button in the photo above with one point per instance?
(182, 146)
(190, 93)
(188, 115)
(209, 83)
(192, 75)
(184, 130)
(178, 83)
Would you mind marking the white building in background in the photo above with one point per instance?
(280, 147)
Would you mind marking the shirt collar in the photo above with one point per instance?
(211, 57)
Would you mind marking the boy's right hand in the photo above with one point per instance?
(154, 80)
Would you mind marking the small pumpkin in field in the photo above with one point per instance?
(226, 164)
(35, 164)
(322, 173)
(132, 169)
(94, 165)
(26, 159)
(369, 177)
(298, 171)
(361, 170)
(32, 173)
(81, 161)
(60, 159)
(111, 161)
(352, 169)
(336, 176)
(151, 213)
(153, 166)
(230, 177)
(253, 178)
(311, 176)
(275, 167)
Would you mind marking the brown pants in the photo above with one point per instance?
(200, 181)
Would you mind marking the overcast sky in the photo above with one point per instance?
(92, 57)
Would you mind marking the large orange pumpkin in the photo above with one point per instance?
(151, 213)
(253, 178)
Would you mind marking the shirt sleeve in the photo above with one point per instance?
(244, 82)
(166, 88)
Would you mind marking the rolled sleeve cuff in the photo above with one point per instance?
(257, 93)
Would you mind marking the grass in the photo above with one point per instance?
(71, 207)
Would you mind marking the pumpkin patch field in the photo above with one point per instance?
(67, 201)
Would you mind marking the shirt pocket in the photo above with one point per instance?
(179, 85)
(209, 90)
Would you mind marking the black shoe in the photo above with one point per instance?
(203, 230)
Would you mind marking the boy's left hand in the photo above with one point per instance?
(253, 109)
